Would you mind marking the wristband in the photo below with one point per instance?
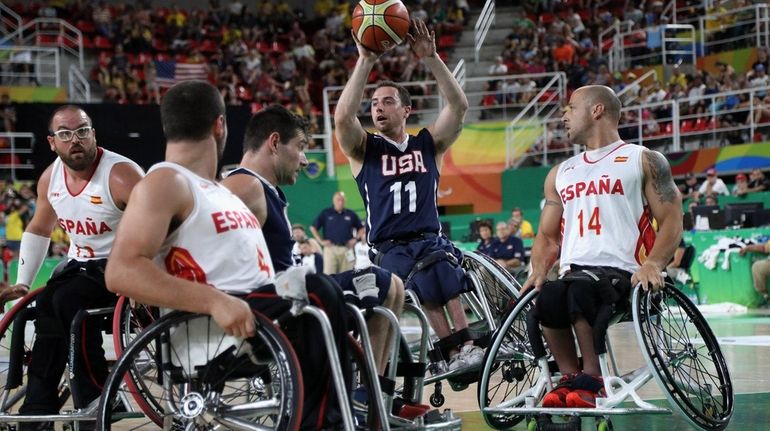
(33, 250)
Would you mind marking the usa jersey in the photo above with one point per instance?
(89, 216)
(220, 243)
(606, 220)
(395, 180)
(277, 228)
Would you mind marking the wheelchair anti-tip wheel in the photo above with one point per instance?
(680, 347)
(208, 380)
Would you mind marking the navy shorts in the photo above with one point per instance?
(437, 283)
(355, 280)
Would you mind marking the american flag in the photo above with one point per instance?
(171, 72)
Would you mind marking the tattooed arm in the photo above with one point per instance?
(665, 203)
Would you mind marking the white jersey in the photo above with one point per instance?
(89, 216)
(606, 221)
(221, 241)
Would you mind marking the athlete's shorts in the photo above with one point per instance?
(368, 287)
(578, 294)
(438, 282)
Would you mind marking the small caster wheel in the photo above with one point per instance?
(437, 400)
(604, 425)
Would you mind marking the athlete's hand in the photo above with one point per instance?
(233, 315)
(535, 281)
(9, 293)
(649, 275)
(422, 40)
(364, 52)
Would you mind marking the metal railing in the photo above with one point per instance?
(480, 30)
(677, 46)
(79, 87)
(50, 32)
(742, 27)
(10, 21)
(13, 148)
(547, 102)
(37, 65)
(636, 85)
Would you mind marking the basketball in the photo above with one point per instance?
(380, 24)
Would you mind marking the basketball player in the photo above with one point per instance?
(606, 198)
(273, 155)
(397, 175)
(166, 260)
(85, 191)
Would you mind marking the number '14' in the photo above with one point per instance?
(593, 222)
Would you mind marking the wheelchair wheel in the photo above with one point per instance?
(510, 366)
(497, 285)
(17, 336)
(128, 322)
(678, 344)
(208, 380)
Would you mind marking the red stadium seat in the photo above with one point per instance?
(687, 126)
(101, 42)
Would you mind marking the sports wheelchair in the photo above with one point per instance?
(421, 362)
(679, 349)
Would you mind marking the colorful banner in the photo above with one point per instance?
(35, 94)
(732, 159)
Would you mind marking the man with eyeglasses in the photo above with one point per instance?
(85, 191)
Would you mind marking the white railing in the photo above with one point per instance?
(52, 32)
(669, 12)
(79, 87)
(480, 30)
(14, 147)
(10, 21)
(636, 86)
(742, 27)
(677, 45)
(547, 102)
(36, 65)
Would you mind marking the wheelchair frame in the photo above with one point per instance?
(518, 363)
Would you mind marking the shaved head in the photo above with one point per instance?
(602, 95)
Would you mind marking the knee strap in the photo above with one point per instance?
(429, 260)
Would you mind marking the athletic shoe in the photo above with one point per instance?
(585, 390)
(472, 355)
(557, 398)
(408, 410)
(456, 362)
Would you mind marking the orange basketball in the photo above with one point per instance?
(380, 24)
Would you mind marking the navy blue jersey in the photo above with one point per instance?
(399, 188)
(487, 248)
(510, 248)
(338, 227)
(277, 228)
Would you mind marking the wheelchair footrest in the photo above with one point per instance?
(573, 411)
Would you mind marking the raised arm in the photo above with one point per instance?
(449, 123)
(545, 250)
(347, 129)
(665, 203)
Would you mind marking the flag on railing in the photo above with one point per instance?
(169, 73)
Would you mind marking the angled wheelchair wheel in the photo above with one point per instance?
(207, 380)
(678, 344)
(17, 336)
(510, 367)
(129, 320)
(497, 285)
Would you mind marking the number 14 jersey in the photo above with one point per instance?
(606, 220)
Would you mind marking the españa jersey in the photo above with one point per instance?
(220, 243)
(395, 181)
(606, 220)
(89, 216)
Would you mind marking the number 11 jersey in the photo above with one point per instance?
(606, 219)
(399, 183)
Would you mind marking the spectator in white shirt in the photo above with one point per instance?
(713, 185)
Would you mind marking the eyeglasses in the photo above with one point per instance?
(67, 135)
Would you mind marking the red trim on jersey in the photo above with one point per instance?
(585, 155)
(646, 238)
(99, 153)
(180, 263)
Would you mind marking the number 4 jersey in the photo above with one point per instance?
(606, 220)
(398, 183)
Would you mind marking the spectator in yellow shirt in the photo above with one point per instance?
(519, 227)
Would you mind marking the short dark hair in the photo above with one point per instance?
(274, 118)
(403, 93)
(189, 109)
(66, 108)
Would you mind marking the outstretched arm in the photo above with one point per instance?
(347, 129)
(449, 123)
(665, 203)
(545, 250)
